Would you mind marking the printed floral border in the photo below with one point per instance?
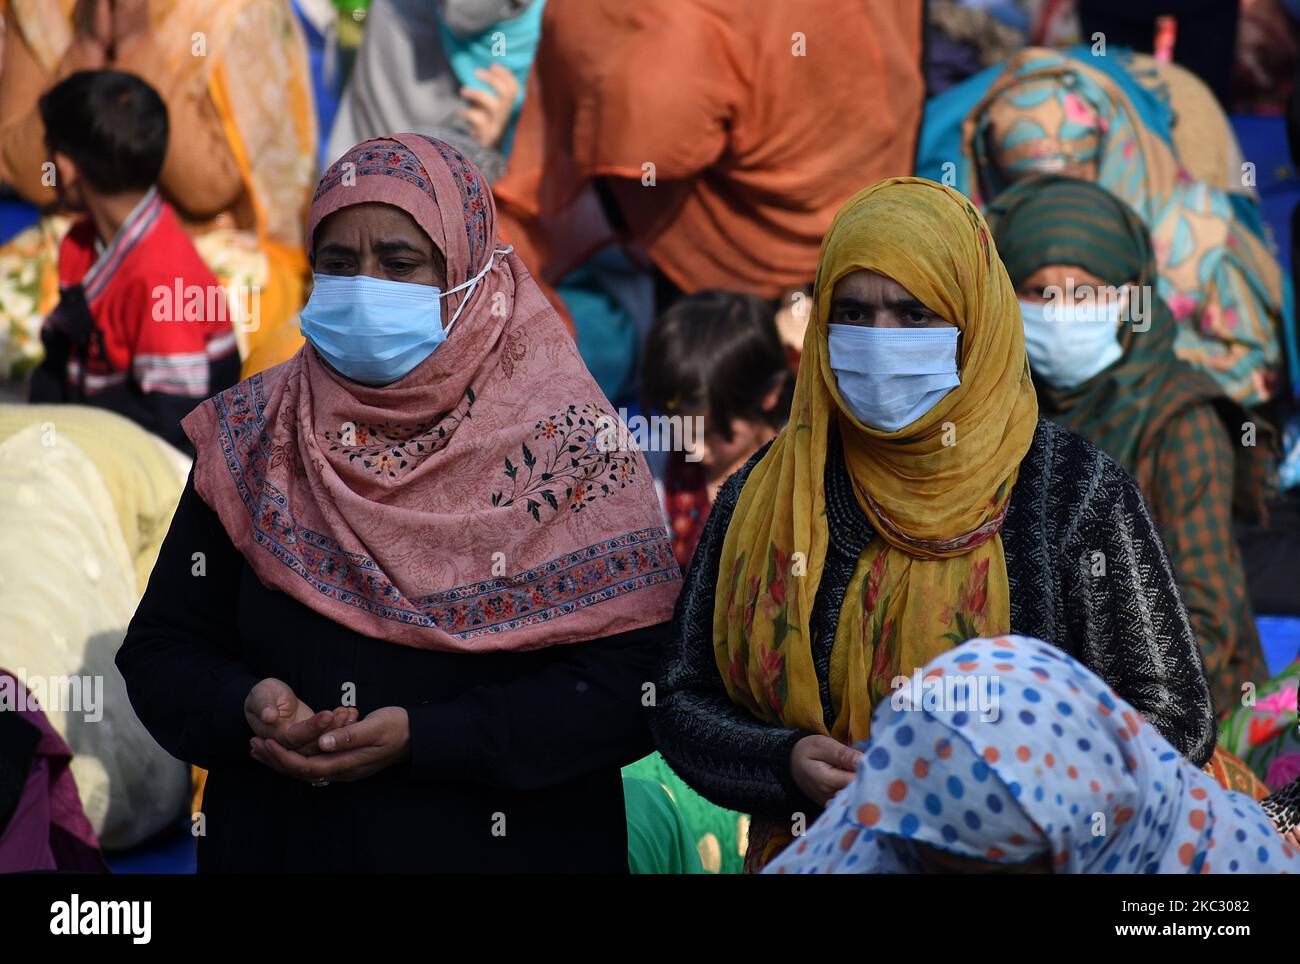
(558, 587)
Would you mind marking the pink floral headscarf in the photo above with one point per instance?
(468, 506)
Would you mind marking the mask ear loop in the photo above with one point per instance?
(470, 284)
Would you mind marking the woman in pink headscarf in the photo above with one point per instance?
(417, 527)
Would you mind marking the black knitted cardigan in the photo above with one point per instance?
(1070, 502)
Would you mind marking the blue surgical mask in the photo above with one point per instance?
(890, 377)
(1070, 343)
(375, 331)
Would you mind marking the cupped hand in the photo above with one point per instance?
(274, 712)
(352, 752)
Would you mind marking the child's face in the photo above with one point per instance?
(68, 184)
(719, 456)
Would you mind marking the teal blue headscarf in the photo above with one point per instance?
(510, 43)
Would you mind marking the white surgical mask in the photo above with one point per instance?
(890, 377)
(1070, 343)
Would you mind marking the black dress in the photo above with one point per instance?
(514, 757)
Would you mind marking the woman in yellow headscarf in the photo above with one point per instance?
(914, 501)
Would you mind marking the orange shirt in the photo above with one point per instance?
(733, 135)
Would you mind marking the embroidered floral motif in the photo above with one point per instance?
(386, 451)
(513, 351)
(882, 628)
(280, 452)
(967, 612)
(573, 458)
(589, 575)
(394, 160)
(473, 204)
(584, 577)
(770, 679)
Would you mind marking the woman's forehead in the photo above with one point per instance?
(871, 287)
(374, 218)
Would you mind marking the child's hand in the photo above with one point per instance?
(489, 113)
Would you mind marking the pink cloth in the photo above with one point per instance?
(49, 829)
(468, 506)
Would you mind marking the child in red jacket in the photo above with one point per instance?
(141, 327)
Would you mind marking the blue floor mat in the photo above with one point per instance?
(170, 853)
(15, 215)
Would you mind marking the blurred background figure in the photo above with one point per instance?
(1199, 35)
(42, 823)
(1153, 134)
(965, 36)
(1087, 116)
(240, 164)
(659, 840)
(696, 141)
(1113, 377)
(714, 357)
(142, 327)
(1266, 734)
(85, 500)
(441, 66)
(1268, 49)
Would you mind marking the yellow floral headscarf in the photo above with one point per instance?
(935, 491)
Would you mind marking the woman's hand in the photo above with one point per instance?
(352, 752)
(93, 20)
(130, 24)
(822, 767)
(275, 713)
(92, 35)
(489, 113)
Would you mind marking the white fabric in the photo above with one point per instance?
(67, 592)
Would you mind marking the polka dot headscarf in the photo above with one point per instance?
(1009, 749)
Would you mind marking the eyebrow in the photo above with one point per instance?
(397, 247)
(336, 248)
(381, 247)
(899, 304)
